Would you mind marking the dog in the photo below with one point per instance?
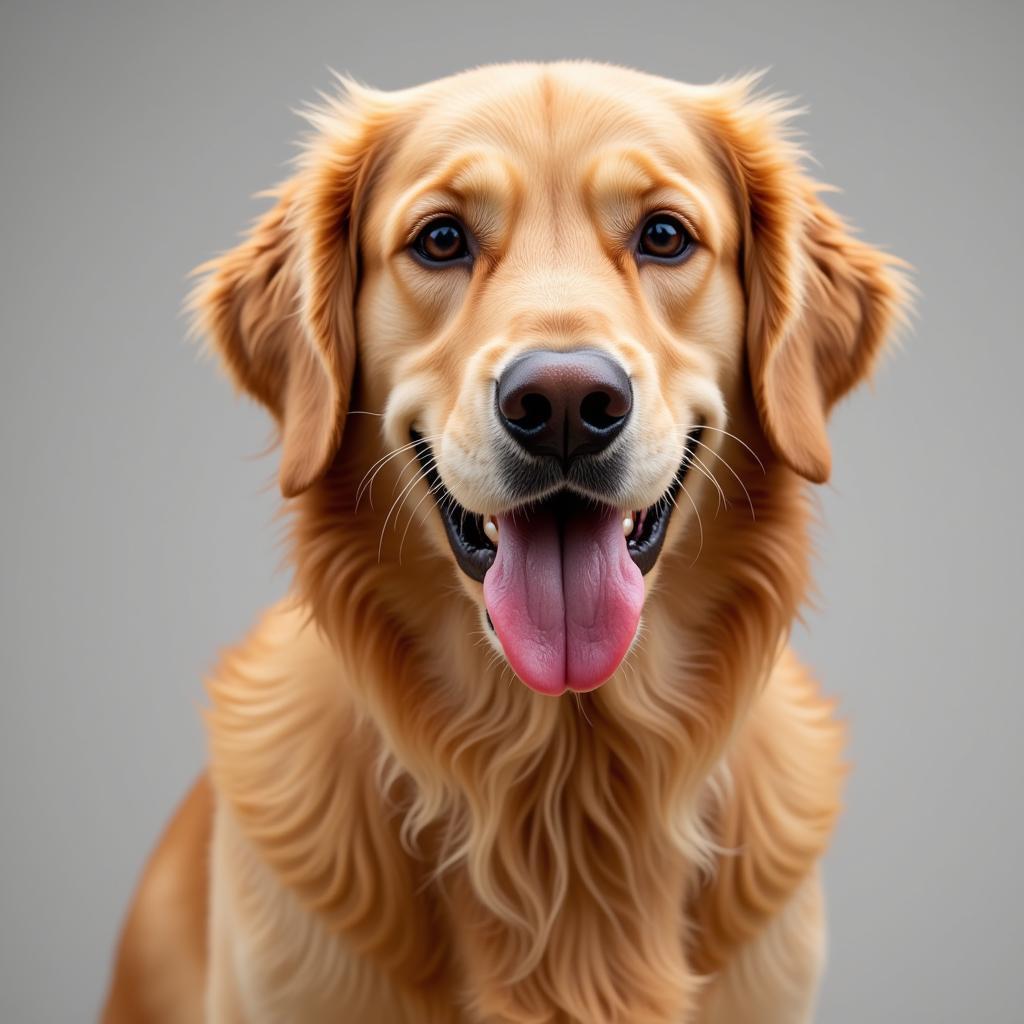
(552, 349)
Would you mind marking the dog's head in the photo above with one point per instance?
(567, 291)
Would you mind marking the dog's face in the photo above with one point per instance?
(562, 262)
(562, 286)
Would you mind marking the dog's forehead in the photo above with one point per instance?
(555, 117)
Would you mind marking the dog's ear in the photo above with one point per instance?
(278, 308)
(820, 302)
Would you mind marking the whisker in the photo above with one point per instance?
(739, 480)
(412, 517)
(432, 489)
(419, 476)
(414, 462)
(367, 484)
(390, 455)
(718, 487)
(407, 492)
(375, 468)
(448, 504)
(700, 525)
(740, 440)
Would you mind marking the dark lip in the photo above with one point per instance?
(475, 553)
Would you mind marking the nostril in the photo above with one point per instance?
(536, 412)
(596, 411)
(563, 404)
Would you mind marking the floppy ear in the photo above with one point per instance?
(820, 303)
(278, 308)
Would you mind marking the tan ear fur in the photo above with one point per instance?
(820, 303)
(278, 308)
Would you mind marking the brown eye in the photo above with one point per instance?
(665, 238)
(443, 240)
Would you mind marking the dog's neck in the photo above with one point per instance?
(540, 825)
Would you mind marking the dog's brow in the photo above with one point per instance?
(624, 178)
(483, 182)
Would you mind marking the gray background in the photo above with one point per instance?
(136, 527)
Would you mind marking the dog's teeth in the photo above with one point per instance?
(491, 529)
(627, 525)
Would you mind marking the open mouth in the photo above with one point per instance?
(562, 576)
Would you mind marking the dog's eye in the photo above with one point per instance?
(665, 238)
(443, 240)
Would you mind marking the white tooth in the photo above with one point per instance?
(627, 525)
(491, 529)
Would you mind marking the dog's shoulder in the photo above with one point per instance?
(288, 754)
(277, 700)
(296, 765)
(775, 813)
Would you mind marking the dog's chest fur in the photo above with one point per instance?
(569, 901)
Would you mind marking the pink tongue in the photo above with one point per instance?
(565, 608)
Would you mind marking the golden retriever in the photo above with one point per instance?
(552, 350)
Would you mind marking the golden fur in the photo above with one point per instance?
(402, 831)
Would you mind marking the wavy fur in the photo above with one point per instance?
(404, 830)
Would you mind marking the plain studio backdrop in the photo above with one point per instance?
(137, 530)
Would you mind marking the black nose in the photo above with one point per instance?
(565, 404)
